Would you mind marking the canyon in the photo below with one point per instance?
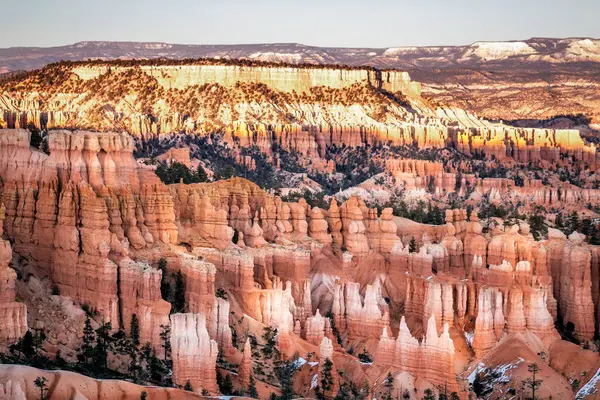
(344, 282)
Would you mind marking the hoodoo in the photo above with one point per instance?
(261, 228)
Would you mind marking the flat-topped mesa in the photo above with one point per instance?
(283, 78)
(13, 315)
(194, 353)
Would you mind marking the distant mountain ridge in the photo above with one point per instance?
(538, 78)
(409, 57)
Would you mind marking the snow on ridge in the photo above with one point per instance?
(399, 51)
(585, 49)
(273, 56)
(499, 50)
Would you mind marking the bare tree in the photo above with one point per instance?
(533, 383)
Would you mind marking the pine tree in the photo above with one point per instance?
(428, 395)
(285, 371)
(326, 380)
(188, 386)
(165, 287)
(25, 346)
(227, 387)
(389, 384)
(86, 350)
(574, 222)
(558, 222)
(442, 392)
(155, 368)
(365, 357)
(343, 392)
(42, 383)
(102, 343)
(412, 245)
(179, 297)
(59, 361)
(251, 391)
(201, 174)
(219, 379)
(135, 369)
(533, 383)
(143, 396)
(135, 330)
(165, 337)
(389, 381)
(458, 183)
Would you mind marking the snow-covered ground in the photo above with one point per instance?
(589, 388)
(315, 381)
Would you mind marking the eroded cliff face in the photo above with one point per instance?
(79, 212)
(96, 222)
(13, 315)
(300, 109)
(537, 78)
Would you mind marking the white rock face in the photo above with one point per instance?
(498, 50)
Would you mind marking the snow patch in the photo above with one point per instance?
(499, 374)
(274, 57)
(313, 363)
(314, 382)
(469, 337)
(472, 375)
(589, 388)
(299, 362)
(498, 50)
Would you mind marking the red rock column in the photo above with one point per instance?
(199, 285)
(13, 315)
(326, 352)
(219, 328)
(194, 353)
(139, 293)
(485, 335)
(245, 369)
